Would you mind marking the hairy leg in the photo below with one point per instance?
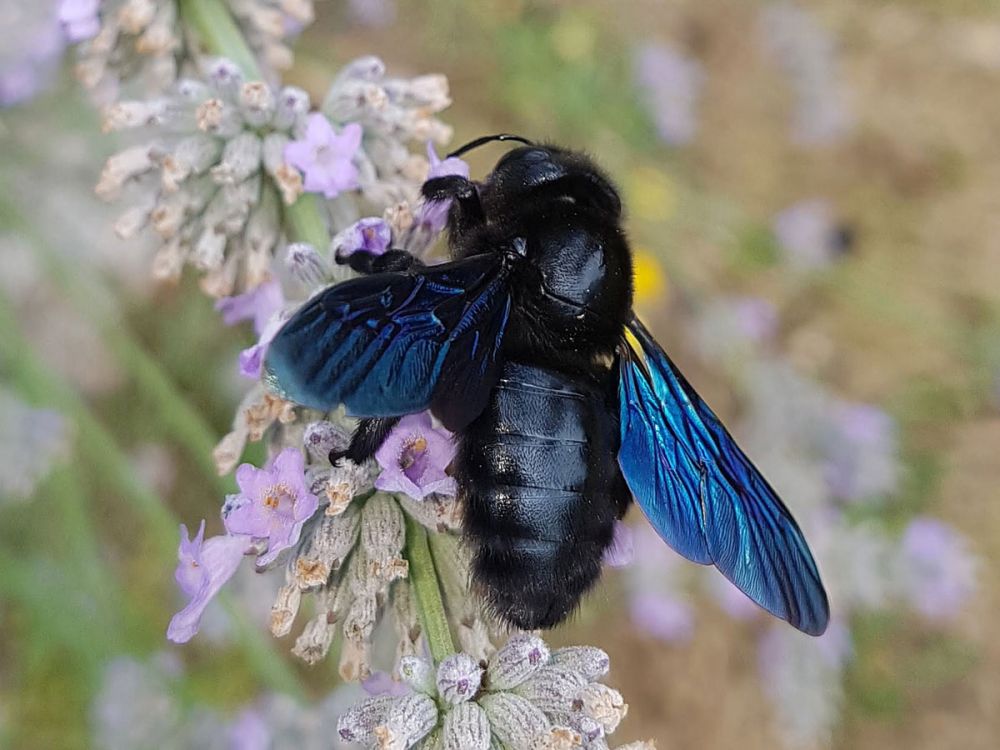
(367, 438)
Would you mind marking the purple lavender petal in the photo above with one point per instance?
(433, 215)
(273, 503)
(325, 157)
(249, 732)
(217, 561)
(382, 683)
(938, 571)
(414, 458)
(663, 617)
(259, 304)
(671, 86)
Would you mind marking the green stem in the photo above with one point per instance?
(427, 591)
(106, 459)
(214, 25)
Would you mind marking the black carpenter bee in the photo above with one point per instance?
(564, 407)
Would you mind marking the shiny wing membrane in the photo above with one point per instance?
(391, 344)
(702, 494)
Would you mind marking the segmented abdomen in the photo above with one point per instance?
(539, 475)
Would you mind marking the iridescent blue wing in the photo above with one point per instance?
(390, 344)
(702, 494)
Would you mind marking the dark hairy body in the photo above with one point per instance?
(536, 469)
(563, 405)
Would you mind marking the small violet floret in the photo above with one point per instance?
(325, 157)
(369, 235)
(434, 214)
(263, 305)
(203, 567)
(414, 458)
(273, 503)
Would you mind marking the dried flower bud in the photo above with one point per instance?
(383, 536)
(518, 659)
(589, 661)
(558, 738)
(358, 723)
(240, 159)
(466, 727)
(308, 266)
(418, 673)
(257, 102)
(314, 642)
(322, 437)
(553, 689)
(284, 609)
(516, 722)
(603, 704)
(409, 719)
(458, 678)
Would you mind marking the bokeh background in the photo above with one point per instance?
(812, 195)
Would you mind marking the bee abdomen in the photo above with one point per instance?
(539, 475)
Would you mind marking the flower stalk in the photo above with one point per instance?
(427, 590)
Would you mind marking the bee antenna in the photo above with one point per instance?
(488, 139)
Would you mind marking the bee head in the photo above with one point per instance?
(543, 173)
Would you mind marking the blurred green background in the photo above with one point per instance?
(888, 114)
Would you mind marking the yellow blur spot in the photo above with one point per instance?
(651, 286)
(573, 39)
(652, 195)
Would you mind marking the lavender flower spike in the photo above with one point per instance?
(272, 504)
(414, 457)
(325, 157)
(203, 567)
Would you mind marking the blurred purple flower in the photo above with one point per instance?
(662, 616)
(259, 305)
(33, 44)
(807, 233)
(203, 567)
(758, 318)
(249, 731)
(80, 19)
(325, 157)
(861, 460)
(263, 305)
(621, 551)
(381, 683)
(414, 458)
(252, 358)
(374, 13)
(369, 235)
(433, 215)
(937, 570)
(670, 84)
(273, 503)
(803, 678)
(808, 54)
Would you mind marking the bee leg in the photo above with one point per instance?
(391, 260)
(367, 438)
(468, 211)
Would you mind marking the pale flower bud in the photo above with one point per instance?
(589, 661)
(516, 661)
(358, 723)
(409, 719)
(515, 721)
(458, 678)
(466, 727)
(322, 437)
(553, 689)
(418, 674)
(603, 704)
(306, 264)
